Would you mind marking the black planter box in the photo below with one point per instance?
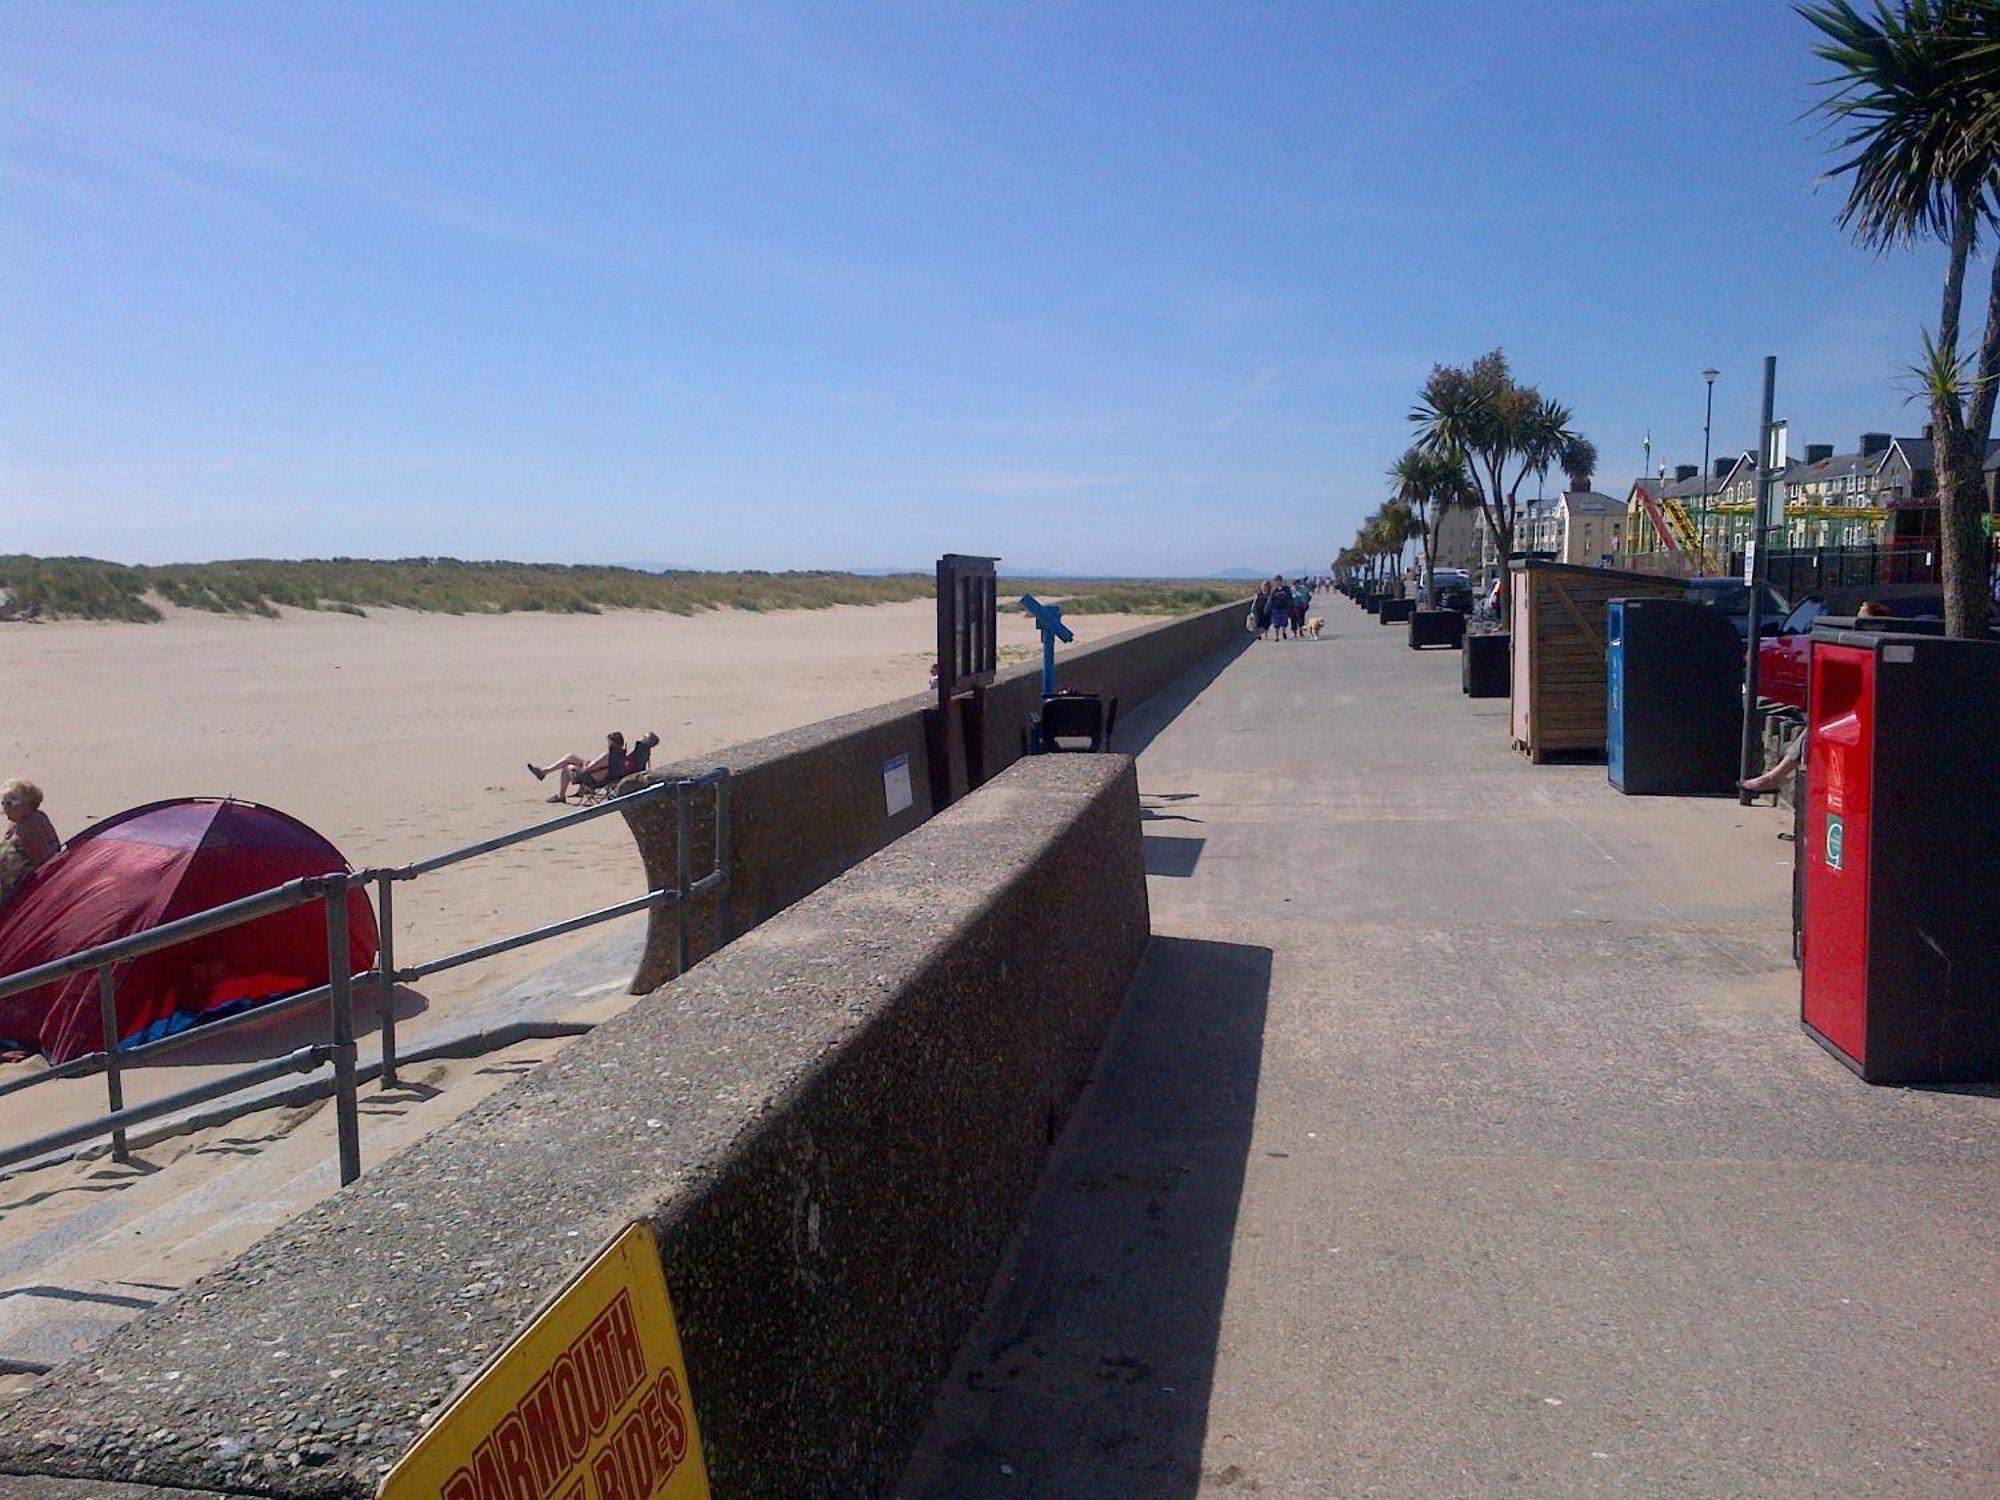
(1371, 602)
(1396, 611)
(1436, 627)
(1483, 669)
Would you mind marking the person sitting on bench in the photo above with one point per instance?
(607, 770)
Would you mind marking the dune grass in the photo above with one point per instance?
(85, 588)
(88, 589)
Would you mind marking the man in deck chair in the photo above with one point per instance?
(578, 772)
(591, 779)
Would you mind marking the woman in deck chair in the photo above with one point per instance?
(607, 770)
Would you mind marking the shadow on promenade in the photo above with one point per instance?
(1137, 729)
(1089, 1373)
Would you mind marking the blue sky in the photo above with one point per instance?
(1120, 289)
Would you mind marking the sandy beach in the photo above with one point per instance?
(399, 735)
(396, 735)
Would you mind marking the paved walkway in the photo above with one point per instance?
(1460, 1140)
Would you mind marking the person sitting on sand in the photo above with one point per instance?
(578, 772)
(30, 838)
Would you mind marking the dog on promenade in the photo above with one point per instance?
(1314, 626)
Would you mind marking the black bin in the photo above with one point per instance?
(1396, 611)
(1674, 698)
(1072, 717)
(1482, 670)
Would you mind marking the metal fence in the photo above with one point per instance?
(339, 1050)
(1797, 572)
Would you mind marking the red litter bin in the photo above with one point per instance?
(1902, 910)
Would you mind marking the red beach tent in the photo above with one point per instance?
(151, 865)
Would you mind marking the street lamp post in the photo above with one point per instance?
(1708, 415)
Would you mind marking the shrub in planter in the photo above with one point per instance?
(1436, 627)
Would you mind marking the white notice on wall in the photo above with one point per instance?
(896, 785)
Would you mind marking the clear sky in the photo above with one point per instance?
(1119, 289)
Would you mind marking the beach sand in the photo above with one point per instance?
(397, 735)
(400, 735)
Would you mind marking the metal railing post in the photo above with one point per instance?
(114, 1085)
(385, 964)
(722, 860)
(336, 890)
(341, 992)
(683, 872)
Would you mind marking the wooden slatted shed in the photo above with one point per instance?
(1557, 617)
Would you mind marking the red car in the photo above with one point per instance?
(1782, 658)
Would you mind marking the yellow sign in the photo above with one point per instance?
(589, 1402)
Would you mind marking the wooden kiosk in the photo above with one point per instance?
(1556, 614)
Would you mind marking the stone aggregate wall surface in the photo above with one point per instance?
(833, 1126)
(809, 803)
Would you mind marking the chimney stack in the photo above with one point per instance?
(1873, 443)
(1685, 472)
(1929, 431)
(1723, 466)
(1818, 453)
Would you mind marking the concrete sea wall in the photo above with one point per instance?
(810, 803)
(832, 1125)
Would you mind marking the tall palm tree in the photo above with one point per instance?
(1579, 461)
(1500, 430)
(1918, 88)
(1430, 484)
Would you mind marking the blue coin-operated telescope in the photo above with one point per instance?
(1048, 620)
(1072, 720)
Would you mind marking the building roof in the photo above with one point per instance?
(1919, 453)
(1838, 467)
(1590, 503)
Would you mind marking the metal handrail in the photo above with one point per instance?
(533, 831)
(341, 1051)
(93, 1062)
(304, 1060)
(535, 935)
(244, 909)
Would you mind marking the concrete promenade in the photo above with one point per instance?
(1459, 1139)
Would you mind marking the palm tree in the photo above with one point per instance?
(1919, 88)
(1429, 484)
(1579, 461)
(1396, 526)
(1498, 430)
